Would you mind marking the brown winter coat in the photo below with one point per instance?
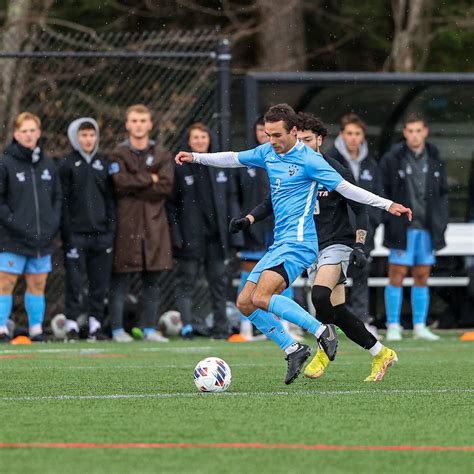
(142, 239)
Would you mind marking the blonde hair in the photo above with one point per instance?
(24, 116)
(139, 109)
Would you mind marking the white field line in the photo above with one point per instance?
(303, 393)
(113, 349)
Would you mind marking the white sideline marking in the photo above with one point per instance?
(304, 393)
(102, 350)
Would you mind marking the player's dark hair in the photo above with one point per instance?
(352, 119)
(86, 126)
(260, 121)
(310, 122)
(282, 112)
(414, 117)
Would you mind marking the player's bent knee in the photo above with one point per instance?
(321, 298)
(261, 300)
(244, 305)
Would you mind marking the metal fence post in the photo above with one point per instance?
(223, 78)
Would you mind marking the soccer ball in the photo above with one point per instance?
(58, 326)
(170, 323)
(212, 375)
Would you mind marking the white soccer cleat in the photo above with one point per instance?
(425, 334)
(122, 336)
(394, 333)
(156, 336)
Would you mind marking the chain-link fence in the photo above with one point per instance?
(181, 76)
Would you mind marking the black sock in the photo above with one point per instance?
(353, 327)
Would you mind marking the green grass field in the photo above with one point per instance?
(144, 393)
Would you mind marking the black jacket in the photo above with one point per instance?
(88, 196)
(30, 202)
(185, 218)
(393, 169)
(331, 216)
(253, 185)
(371, 180)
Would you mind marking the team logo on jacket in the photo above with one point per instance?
(221, 177)
(401, 173)
(73, 253)
(366, 176)
(189, 180)
(21, 177)
(97, 165)
(46, 175)
(114, 168)
(78, 163)
(149, 160)
(292, 170)
(252, 172)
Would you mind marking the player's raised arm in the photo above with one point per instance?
(350, 191)
(225, 159)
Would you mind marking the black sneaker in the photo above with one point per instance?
(296, 361)
(328, 341)
(40, 338)
(72, 336)
(4, 338)
(97, 336)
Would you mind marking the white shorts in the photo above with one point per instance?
(332, 255)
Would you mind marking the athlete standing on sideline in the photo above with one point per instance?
(294, 171)
(413, 171)
(30, 209)
(337, 251)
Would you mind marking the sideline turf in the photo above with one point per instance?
(417, 404)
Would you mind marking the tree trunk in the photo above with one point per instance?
(409, 34)
(18, 34)
(282, 45)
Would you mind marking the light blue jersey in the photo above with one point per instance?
(293, 180)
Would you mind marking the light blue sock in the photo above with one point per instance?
(35, 306)
(243, 280)
(289, 293)
(420, 303)
(6, 303)
(116, 332)
(393, 303)
(147, 331)
(188, 329)
(271, 327)
(288, 309)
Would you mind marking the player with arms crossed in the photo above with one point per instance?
(294, 171)
(337, 251)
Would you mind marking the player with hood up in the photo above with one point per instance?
(87, 226)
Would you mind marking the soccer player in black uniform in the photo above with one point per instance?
(336, 251)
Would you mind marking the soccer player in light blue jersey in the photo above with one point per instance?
(294, 171)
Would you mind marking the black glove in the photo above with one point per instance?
(237, 224)
(358, 257)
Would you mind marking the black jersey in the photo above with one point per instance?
(331, 215)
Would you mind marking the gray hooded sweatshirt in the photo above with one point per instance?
(354, 164)
(72, 131)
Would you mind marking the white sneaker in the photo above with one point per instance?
(122, 336)
(374, 331)
(156, 336)
(394, 333)
(425, 334)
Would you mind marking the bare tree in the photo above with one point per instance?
(281, 36)
(22, 17)
(410, 35)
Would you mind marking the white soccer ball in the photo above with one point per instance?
(58, 326)
(170, 323)
(212, 375)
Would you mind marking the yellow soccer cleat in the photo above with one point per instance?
(380, 364)
(316, 367)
